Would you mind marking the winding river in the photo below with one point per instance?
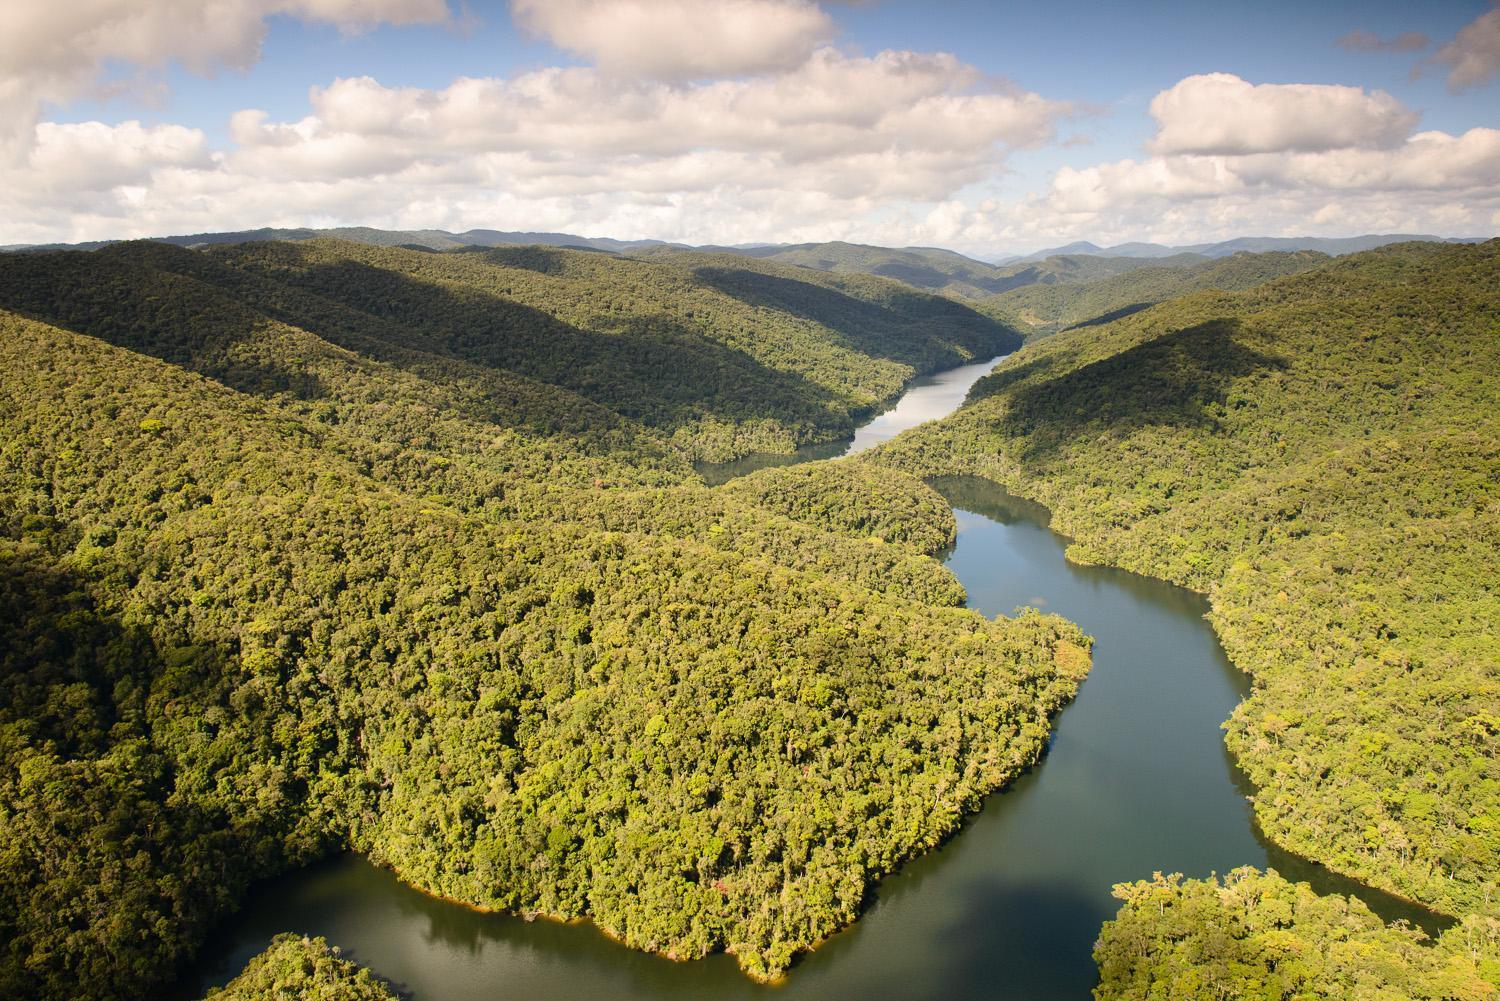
(1136, 780)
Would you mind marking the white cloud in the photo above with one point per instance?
(897, 124)
(1433, 182)
(92, 157)
(1220, 113)
(54, 50)
(896, 148)
(821, 146)
(680, 39)
(1474, 56)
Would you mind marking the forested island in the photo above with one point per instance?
(325, 545)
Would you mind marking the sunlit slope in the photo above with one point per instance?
(240, 630)
(1320, 455)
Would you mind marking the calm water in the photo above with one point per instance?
(926, 399)
(1136, 780)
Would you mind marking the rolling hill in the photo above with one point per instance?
(1042, 309)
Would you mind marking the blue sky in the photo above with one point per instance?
(1098, 66)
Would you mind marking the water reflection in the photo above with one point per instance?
(1136, 780)
(926, 399)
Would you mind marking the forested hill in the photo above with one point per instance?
(1045, 308)
(935, 269)
(1320, 455)
(312, 547)
(716, 356)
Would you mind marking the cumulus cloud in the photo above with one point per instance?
(1432, 182)
(1473, 57)
(680, 39)
(1360, 40)
(1221, 113)
(54, 51)
(831, 140)
(898, 124)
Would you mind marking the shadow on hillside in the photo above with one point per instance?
(121, 296)
(883, 331)
(208, 313)
(916, 274)
(1111, 316)
(1168, 381)
(650, 367)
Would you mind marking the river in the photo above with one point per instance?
(1136, 780)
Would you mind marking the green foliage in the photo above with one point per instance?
(294, 968)
(287, 566)
(1045, 308)
(1257, 937)
(939, 270)
(1319, 455)
(853, 497)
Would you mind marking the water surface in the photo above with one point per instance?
(927, 398)
(1136, 780)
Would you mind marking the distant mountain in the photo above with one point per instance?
(432, 239)
(925, 267)
(1046, 308)
(1332, 246)
(938, 270)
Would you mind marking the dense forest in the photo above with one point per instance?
(719, 355)
(1320, 456)
(1256, 936)
(302, 969)
(310, 546)
(939, 270)
(1045, 308)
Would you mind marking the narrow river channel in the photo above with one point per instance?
(1136, 780)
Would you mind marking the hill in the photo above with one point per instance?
(933, 269)
(1319, 455)
(1043, 309)
(721, 357)
(1332, 246)
(431, 239)
(301, 551)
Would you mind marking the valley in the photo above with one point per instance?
(326, 549)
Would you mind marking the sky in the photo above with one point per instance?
(986, 127)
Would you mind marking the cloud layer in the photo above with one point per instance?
(681, 39)
(706, 135)
(54, 51)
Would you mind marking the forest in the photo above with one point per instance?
(1040, 308)
(318, 547)
(1319, 455)
(302, 969)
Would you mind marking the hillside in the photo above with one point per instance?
(294, 562)
(1332, 246)
(1043, 309)
(934, 269)
(716, 356)
(1318, 454)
